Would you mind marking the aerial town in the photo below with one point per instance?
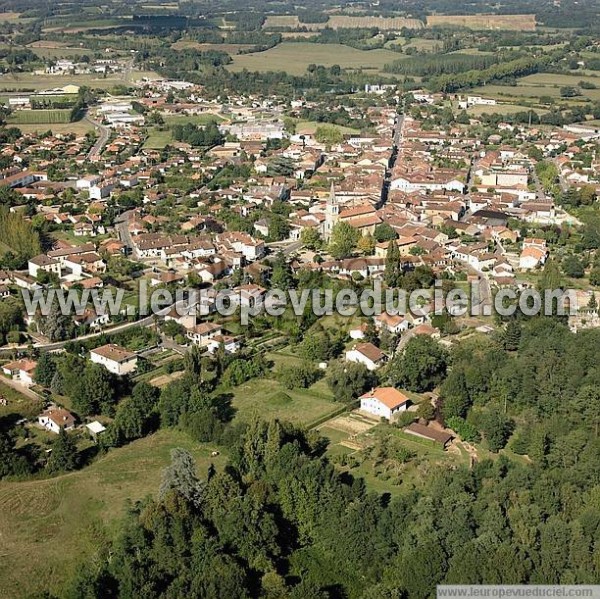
(170, 163)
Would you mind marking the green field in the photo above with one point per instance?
(271, 400)
(293, 58)
(42, 117)
(79, 128)
(48, 525)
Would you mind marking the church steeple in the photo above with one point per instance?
(332, 212)
(332, 202)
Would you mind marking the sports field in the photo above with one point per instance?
(294, 58)
(44, 117)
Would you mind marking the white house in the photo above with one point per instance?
(230, 344)
(384, 402)
(53, 419)
(203, 334)
(45, 263)
(21, 370)
(114, 358)
(394, 323)
(366, 353)
(532, 257)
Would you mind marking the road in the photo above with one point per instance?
(122, 229)
(539, 189)
(286, 248)
(102, 140)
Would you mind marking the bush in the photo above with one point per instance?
(301, 376)
(465, 430)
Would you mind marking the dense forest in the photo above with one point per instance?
(281, 521)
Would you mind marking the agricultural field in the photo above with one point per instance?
(294, 58)
(9, 17)
(542, 84)
(502, 109)
(42, 117)
(30, 82)
(501, 22)
(344, 22)
(232, 49)
(49, 525)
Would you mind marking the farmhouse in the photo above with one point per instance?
(54, 419)
(21, 370)
(384, 402)
(366, 353)
(204, 333)
(43, 262)
(114, 358)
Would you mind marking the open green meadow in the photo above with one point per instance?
(309, 127)
(294, 58)
(49, 525)
(159, 137)
(29, 82)
(271, 400)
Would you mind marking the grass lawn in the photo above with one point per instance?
(293, 58)
(49, 525)
(309, 127)
(18, 403)
(158, 139)
(270, 399)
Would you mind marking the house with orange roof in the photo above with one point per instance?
(384, 402)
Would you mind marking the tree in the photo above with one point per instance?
(366, 245)
(573, 267)
(96, 392)
(455, 396)
(349, 380)
(495, 426)
(329, 135)
(550, 278)
(421, 366)
(393, 267)
(311, 238)
(11, 461)
(57, 326)
(384, 232)
(180, 477)
(136, 416)
(45, 369)
(344, 238)
(64, 457)
(512, 335)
